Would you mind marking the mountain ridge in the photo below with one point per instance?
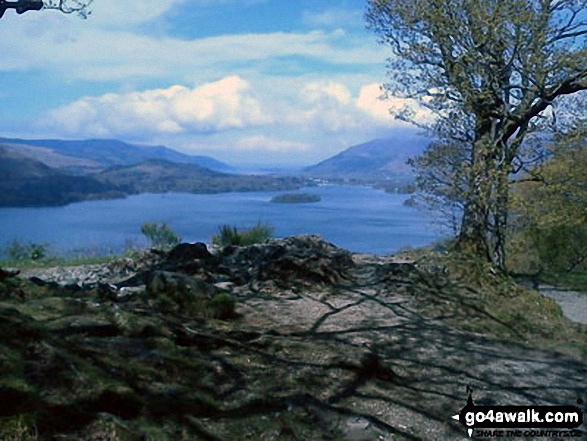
(380, 158)
(105, 153)
(26, 182)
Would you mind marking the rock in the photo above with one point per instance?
(224, 286)
(306, 259)
(189, 251)
(392, 271)
(84, 325)
(178, 292)
(128, 293)
(9, 285)
(8, 274)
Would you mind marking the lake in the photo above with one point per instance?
(360, 219)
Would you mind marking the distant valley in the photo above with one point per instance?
(55, 172)
(58, 172)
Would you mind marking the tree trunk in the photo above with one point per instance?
(501, 213)
(474, 235)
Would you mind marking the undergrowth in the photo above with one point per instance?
(229, 235)
(470, 293)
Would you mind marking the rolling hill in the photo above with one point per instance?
(90, 156)
(378, 159)
(26, 182)
(160, 176)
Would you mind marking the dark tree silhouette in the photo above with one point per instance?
(79, 7)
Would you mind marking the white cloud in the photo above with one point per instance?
(260, 143)
(222, 105)
(381, 106)
(110, 47)
(235, 115)
(114, 13)
(332, 91)
(331, 107)
(334, 17)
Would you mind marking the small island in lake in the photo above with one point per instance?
(296, 198)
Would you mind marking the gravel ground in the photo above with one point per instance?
(573, 303)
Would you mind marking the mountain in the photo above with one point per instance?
(27, 182)
(382, 158)
(160, 176)
(87, 156)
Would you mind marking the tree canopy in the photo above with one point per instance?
(80, 7)
(492, 72)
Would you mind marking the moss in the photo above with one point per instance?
(18, 428)
(222, 306)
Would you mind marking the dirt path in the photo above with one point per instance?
(356, 361)
(423, 367)
(573, 303)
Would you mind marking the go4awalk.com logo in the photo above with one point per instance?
(521, 421)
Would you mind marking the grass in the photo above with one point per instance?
(472, 295)
(229, 235)
(576, 281)
(86, 256)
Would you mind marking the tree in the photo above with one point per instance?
(492, 71)
(441, 178)
(160, 235)
(550, 206)
(80, 7)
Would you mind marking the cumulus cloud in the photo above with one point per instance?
(221, 105)
(243, 116)
(381, 106)
(331, 107)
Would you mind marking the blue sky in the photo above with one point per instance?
(255, 82)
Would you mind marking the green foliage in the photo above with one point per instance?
(484, 74)
(222, 306)
(441, 179)
(20, 252)
(18, 428)
(550, 208)
(229, 235)
(160, 235)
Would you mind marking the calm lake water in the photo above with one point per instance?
(359, 219)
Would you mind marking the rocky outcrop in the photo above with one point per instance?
(299, 259)
(170, 291)
(291, 339)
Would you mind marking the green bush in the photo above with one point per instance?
(228, 235)
(160, 235)
(20, 251)
(222, 306)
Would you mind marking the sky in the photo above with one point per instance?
(249, 82)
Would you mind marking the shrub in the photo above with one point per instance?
(20, 251)
(228, 235)
(160, 235)
(222, 306)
